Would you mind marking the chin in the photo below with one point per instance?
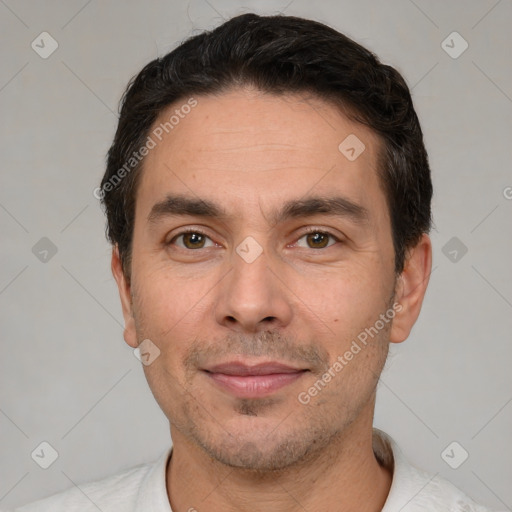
(263, 446)
(259, 456)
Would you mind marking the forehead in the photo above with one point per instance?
(247, 147)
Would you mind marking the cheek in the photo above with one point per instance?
(167, 304)
(343, 305)
(345, 293)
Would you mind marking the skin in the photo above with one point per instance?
(302, 302)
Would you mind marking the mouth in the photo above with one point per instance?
(253, 381)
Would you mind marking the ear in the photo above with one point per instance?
(410, 289)
(126, 300)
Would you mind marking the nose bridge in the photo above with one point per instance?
(251, 268)
(251, 296)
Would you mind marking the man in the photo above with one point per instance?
(268, 201)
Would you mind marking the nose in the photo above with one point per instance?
(253, 296)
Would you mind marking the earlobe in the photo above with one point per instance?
(411, 288)
(126, 301)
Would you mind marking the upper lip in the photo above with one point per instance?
(266, 368)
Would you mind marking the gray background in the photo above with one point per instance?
(68, 378)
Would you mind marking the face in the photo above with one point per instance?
(261, 257)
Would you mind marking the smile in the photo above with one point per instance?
(244, 381)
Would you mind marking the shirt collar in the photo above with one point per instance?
(152, 496)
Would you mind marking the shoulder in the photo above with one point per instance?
(439, 494)
(114, 493)
(415, 490)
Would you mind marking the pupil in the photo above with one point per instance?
(318, 238)
(194, 238)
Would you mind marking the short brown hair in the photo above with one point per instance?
(278, 54)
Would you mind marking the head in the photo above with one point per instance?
(268, 200)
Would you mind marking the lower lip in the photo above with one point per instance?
(254, 386)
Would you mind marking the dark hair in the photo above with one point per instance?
(279, 55)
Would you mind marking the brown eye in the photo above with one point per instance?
(191, 240)
(318, 240)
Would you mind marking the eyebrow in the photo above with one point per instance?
(180, 205)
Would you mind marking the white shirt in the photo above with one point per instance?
(143, 489)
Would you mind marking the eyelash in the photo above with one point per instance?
(201, 232)
(184, 232)
(311, 230)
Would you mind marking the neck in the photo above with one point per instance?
(344, 478)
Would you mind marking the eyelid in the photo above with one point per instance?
(186, 230)
(323, 231)
(318, 229)
(306, 231)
